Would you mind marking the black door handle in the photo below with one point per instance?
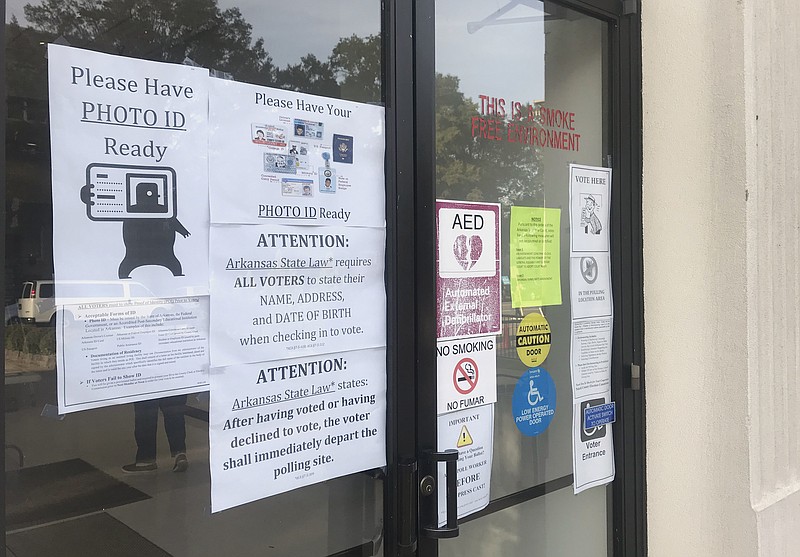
(428, 488)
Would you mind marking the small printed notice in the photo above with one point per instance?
(471, 432)
(466, 373)
(286, 291)
(590, 201)
(467, 269)
(592, 323)
(279, 426)
(130, 174)
(591, 356)
(596, 416)
(593, 448)
(590, 286)
(535, 257)
(289, 158)
(130, 350)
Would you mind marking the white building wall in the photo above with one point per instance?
(772, 111)
(722, 259)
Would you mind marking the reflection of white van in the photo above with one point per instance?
(38, 301)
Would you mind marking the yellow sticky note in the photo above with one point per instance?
(535, 257)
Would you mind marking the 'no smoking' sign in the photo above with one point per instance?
(466, 373)
(465, 376)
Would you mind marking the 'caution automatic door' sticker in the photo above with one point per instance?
(533, 339)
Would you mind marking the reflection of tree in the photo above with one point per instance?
(352, 71)
(311, 75)
(475, 169)
(158, 30)
(357, 65)
(171, 31)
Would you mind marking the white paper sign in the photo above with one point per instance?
(130, 350)
(290, 158)
(130, 227)
(590, 286)
(466, 373)
(590, 352)
(592, 321)
(471, 432)
(279, 426)
(590, 201)
(286, 291)
(593, 449)
(130, 173)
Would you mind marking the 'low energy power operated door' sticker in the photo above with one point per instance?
(534, 402)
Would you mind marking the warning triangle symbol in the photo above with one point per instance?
(464, 438)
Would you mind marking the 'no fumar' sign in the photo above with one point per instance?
(467, 373)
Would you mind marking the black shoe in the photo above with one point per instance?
(181, 463)
(140, 468)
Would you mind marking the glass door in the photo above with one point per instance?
(522, 104)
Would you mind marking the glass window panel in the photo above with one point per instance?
(307, 47)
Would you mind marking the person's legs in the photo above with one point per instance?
(144, 431)
(173, 408)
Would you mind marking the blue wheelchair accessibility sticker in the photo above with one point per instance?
(534, 401)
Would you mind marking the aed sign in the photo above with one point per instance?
(533, 340)
(467, 269)
(466, 373)
(467, 242)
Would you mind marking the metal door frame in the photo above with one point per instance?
(409, 81)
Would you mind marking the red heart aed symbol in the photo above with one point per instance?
(467, 253)
(475, 250)
(460, 251)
